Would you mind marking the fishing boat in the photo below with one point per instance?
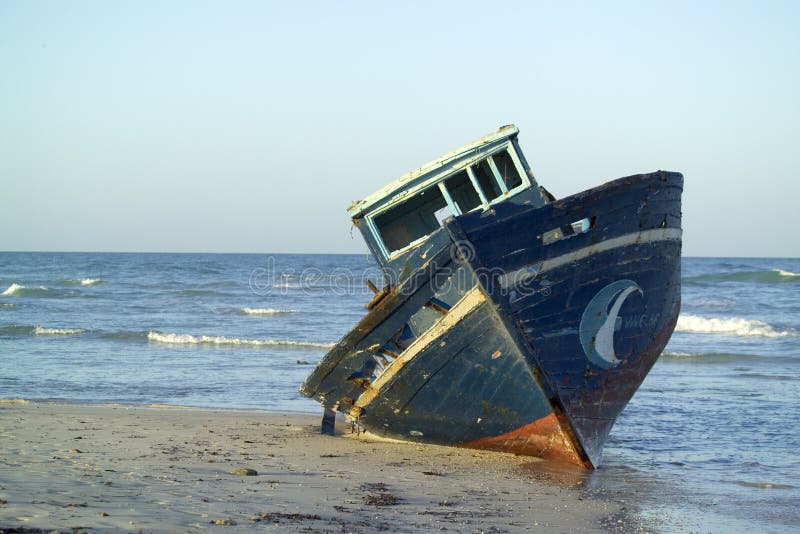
(507, 319)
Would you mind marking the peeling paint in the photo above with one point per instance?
(477, 348)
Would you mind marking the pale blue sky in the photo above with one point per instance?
(251, 126)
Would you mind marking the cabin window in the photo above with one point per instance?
(410, 220)
(508, 171)
(484, 182)
(462, 192)
(485, 177)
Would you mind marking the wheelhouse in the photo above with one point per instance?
(404, 214)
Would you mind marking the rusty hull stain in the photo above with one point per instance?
(543, 438)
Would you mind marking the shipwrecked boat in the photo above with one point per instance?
(508, 320)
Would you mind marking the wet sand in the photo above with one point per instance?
(171, 469)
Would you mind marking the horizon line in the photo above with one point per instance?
(307, 253)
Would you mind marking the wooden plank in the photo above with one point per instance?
(443, 327)
(386, 318)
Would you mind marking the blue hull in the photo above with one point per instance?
(522, 328)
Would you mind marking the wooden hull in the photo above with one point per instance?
(551, 326)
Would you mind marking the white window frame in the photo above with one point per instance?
(484, 205)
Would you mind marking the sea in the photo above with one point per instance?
(709, 443)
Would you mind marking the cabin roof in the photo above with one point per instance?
(410, 178)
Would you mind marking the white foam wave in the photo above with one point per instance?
(187, 339)
(733, 325)
(42, 331)
(13, 289)
(287, 285)
(81, 281)
(19, 289)
(265, 311)
(787, 274)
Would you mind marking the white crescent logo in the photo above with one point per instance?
(598, 322)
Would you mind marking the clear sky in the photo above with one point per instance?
(251, 126)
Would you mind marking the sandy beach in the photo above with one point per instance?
(172, 469)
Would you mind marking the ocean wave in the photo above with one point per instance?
(723, 358)
(187, 339)
(123, 335)
(15, 330)
(290, 285)
(42, 331)
(19, 290)
(716, 302)
(732, 325)
(207, 270)
(763, 485)
(221, 284)
(201, 293)
(264, 311)
(13, 288)
(765, 376)
(771, 276)
(86, 282)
